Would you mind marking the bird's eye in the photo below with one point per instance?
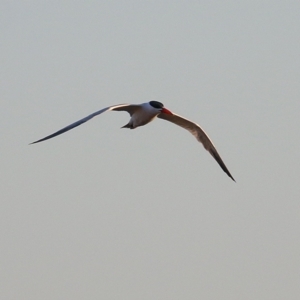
(156, 104)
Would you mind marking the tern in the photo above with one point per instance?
(142, 114)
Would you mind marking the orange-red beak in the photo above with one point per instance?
(166, 111)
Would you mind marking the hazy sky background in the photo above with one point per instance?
(104, 213)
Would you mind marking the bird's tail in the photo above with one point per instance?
(127, 126)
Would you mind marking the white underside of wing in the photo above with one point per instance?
(124, 107)
(192, 127)
(199, 134)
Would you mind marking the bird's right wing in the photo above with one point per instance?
(199, 134)
(130, 108)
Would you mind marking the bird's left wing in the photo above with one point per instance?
(120, 107)
(199, 134)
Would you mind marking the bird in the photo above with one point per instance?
(142, 114)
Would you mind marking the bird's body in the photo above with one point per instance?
(142, 114)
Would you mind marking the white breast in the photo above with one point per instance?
(144, 115)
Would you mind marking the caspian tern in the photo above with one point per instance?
(142, 114)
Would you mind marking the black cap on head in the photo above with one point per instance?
(156, 104)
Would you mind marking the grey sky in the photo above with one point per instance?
(104, 213)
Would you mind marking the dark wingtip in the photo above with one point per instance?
(232, 178)
(227, 172)
(36, 142)
(217, 157)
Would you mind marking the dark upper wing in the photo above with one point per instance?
(199, 134)
(121, 107)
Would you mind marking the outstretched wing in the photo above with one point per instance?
(130, 108)
(199, 134)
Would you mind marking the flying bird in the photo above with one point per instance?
(142, 114)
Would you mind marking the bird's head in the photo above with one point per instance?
(160, 107)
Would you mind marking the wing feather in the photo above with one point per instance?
(199, 134)
(120, 107)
